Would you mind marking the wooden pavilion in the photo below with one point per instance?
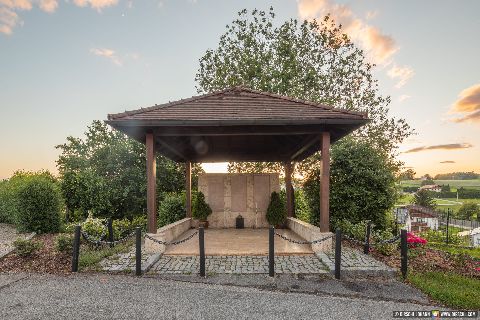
(238, 124)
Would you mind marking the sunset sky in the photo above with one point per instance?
(66, 63)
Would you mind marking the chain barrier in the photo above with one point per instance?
(98, 242)
(172, 242)
(388, 241)
(348, 238)
(304, 242)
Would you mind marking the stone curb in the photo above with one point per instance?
(147, 265)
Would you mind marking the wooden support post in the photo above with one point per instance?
(201, 243)
(138, 251)
(338, 253)
(151, 183)
(76, 249)
(325, 184)
(288, 188)
(188, 188)
(271, 251)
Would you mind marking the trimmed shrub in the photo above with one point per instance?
(200, 208)
(94, 227)
(171, 209)
(64, 243)
(121, 228)
(39, 206)
(276, 211)
(140, 221)
(302, 209)
(26, 248)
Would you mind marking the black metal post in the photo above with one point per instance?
(201, 242)
(448, 221)
(338, 252)
(404, 252)
(138, 251)
(76, 249)
(271, 251)
(110, 231)
(366, 247)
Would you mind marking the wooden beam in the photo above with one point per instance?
(325, 184)
(288, 188)
(305, 146)
(172, 149)
(188, 188)
(151, 183)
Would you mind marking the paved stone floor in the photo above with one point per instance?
(242, 242)
(123, 262)
(355, 261)
(304, 264)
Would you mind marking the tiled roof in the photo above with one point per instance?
(238, 103)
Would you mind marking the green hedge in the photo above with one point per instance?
(39, 206)
(171, 209)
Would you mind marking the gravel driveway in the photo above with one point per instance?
(125, 297)
(8, 234)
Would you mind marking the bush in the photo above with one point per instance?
(362, 184)
(469, 211)
(441, 237)
(276, 211)
(39, 206)
(201, 210)
(140, 221)
(121, 228)
(25, 248)
(94, 227)
(171, 209)
(386, 249)
(64, 243)
(302, 209)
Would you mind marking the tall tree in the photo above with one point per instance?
(408, 174)
(106, 173)
(311, 60)
(423, 198)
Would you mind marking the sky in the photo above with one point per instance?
(65, 63)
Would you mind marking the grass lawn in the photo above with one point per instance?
(470, 184)
(473, 252)
(455, 291)
(90, 258)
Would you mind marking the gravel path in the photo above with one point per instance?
(8, 234)
(123, 297)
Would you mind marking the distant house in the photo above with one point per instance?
(431, 187)
(419, 219)
(474, 236)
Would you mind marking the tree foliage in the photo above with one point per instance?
(408, 174)
(200, 209)
(362, 185)
(106, 173)
(276, 211)
(311, 60)
(469, 211)
(424, 198)
(457, 176)
(39, 206)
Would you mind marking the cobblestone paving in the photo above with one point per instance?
(304, 264)
(354, 260)
(122, 262)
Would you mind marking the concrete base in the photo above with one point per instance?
(310, 232)
(167, 233)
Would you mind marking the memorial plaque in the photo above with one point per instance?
(215, 193)
(261, 192)
(239, 193)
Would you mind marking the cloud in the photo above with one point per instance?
(447, 161)
(9, 9)
(371, 14)
(451, 146)
(107, 53)
(95, 4)
(380, 47)
(48, 5)
(403, 97)
(403, 74)
(468, 104)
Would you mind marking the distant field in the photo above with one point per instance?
(475, 184)
(442, 204)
